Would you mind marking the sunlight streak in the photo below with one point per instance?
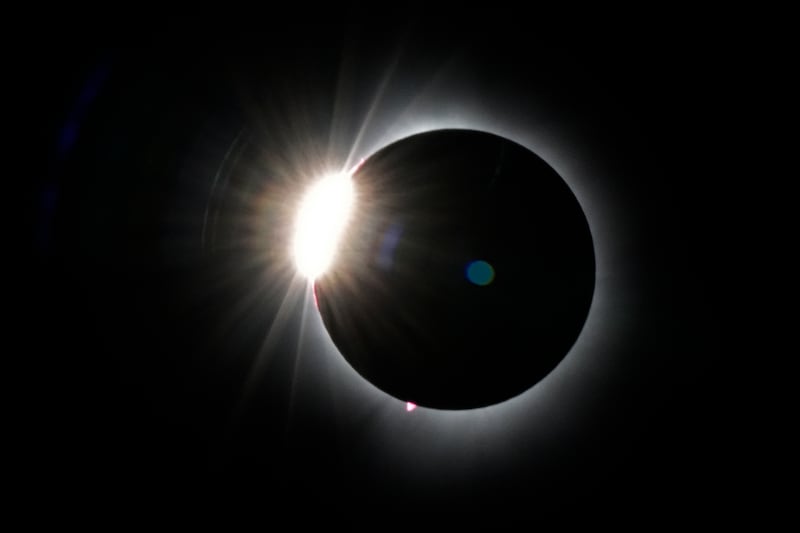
(375, 107)
(286, 315)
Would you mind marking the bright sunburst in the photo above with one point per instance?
(320, 221)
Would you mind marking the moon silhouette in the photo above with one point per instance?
(465, 273)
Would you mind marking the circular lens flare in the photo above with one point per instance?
(480, 273)
(319, 224)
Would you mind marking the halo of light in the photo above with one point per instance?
(569, 394)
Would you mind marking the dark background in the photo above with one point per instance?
(123, 399)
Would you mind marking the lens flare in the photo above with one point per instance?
(320, 221)
(480, 273)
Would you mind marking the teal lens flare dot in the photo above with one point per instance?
(480, 273)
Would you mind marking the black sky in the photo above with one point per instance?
(129, 385)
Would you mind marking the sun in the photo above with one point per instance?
(320, 221)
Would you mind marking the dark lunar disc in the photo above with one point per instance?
(465, 274)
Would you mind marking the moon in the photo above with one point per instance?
(464, 274)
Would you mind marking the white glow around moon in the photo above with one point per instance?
(319, 224)
(536, 421)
